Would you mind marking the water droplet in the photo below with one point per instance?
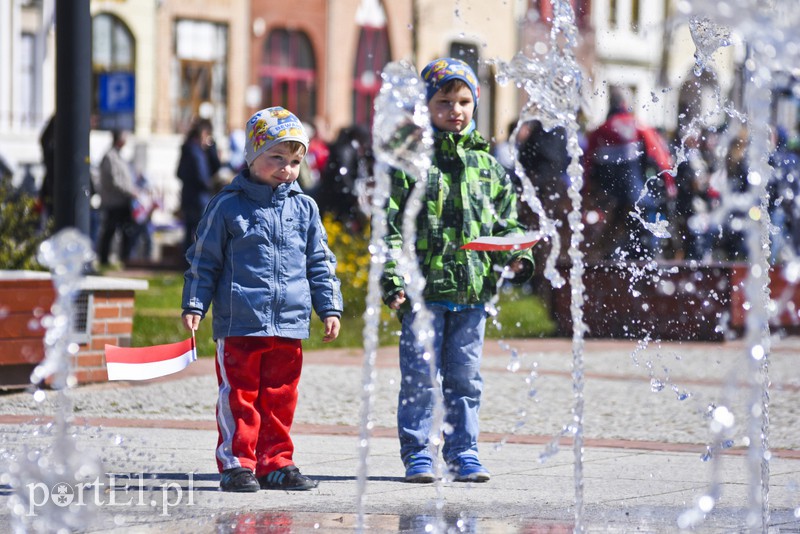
(706, 503)
(723, 416)
(757, 352)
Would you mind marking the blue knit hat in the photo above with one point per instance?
(440, 71)
(268, 127)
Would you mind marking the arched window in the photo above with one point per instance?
(113, 80)
(288, 73)
(372, 55)
(201, 54)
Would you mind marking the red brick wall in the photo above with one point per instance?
(23, 303)
(112, 324)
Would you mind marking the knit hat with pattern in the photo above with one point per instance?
(270, 126)
(440, 71)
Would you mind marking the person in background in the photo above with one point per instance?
(468, 195)
(144, 205)
(236, 142)
(315, 161)
(692, 236)
(619, 154)
(199, 162)
(117, 193)
(784, 194)
(731, 238)
(47, 141)
(349, 160)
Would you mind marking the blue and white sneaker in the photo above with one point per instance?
(419, 469)
(468, 468)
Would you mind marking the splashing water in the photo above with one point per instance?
(708, 38)
(658, 227)
(402, 139)
(553, 84)
(770, 33)
(47, 482)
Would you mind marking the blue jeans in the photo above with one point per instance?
(457, 345)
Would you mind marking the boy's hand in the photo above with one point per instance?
(331, 329)
(191, 321)
(519, 271)
(517, 266)
(399, 299)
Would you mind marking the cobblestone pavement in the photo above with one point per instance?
(646, 426)
(654, 394)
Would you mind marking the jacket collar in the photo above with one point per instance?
(469, 139)
(262, 193)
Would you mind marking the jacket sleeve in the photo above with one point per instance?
(392, 281)
(205, 257)
(507, 223)
(326, 291)
(655, 148)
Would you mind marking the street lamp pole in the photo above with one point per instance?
(73, 97)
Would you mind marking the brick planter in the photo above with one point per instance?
(682, 301)
(103, 314)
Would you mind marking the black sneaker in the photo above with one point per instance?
(287, 478)
(238, 480)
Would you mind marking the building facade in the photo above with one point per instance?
(157, 64)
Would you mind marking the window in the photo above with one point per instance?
(113, 58)
(612, 14)
(201, 54)
(371, 56)
(287, 73)
(579, 7)
(623, 15)
(28, 115)
(468, 53)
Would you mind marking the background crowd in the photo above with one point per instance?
(634, 175)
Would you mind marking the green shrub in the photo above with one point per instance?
(20, 235)
(157, 315)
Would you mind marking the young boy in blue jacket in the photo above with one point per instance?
(261, 257)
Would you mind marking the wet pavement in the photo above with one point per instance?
(642, 464)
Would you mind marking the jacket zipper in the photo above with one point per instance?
(277, 270)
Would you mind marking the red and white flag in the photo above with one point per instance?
(144, 363)
(511, 242)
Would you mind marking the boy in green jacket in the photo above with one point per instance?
(468, 195)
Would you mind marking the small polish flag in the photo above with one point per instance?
(511, 242)
(144, 363)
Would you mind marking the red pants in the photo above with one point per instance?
(257, 379)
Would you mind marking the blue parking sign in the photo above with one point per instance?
(116, 92)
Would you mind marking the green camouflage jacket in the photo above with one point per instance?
(469, 195)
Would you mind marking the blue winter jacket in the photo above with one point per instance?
(262, 258)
